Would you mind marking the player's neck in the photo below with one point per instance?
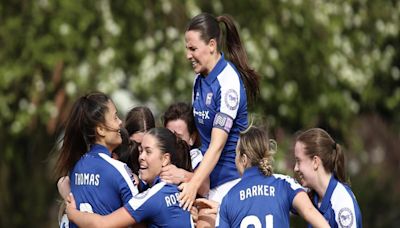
(322, 184)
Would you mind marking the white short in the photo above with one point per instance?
(218, 193)
(64, 222)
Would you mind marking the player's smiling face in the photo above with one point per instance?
(151, 159)
(110, 134)
(304, 166)
(198, 52)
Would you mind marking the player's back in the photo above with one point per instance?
(259, 200)
(99, 183)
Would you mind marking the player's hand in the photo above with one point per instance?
(63, 186)
(207, 214)
(206, 206)
(187, 195)
(70, 204)
(136, 179)
(195, 214)
(172, 175)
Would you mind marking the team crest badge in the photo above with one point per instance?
(231, 99)
(345, 217)
(208, 99)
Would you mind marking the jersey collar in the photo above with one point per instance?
(328, 194)
(216, 70)
(251, 171)
(97, 148)
(156, 181)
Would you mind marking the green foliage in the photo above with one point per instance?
(322, 64)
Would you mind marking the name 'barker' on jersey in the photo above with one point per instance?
(257, 190)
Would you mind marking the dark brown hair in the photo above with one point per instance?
(182, 111)
(176, 147)
(319, 143)
(128, 152)
(80, 129)
(139, 119)
(209, 28)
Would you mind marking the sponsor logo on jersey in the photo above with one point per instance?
(202, 114)
(208, 99)
(345, 217)
(231, 99)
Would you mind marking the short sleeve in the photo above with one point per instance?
(223, 214)
(146, 204)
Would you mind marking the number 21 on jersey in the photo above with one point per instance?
(255, 221)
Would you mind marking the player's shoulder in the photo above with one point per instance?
(341, 195)
(150, 194)
(233, 192)
(287, 180)
(344, 205)
(229, 77)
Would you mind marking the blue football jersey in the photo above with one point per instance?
(339, 206)
(259, 201)
(101, 184)
(159, 207)
(219, 101)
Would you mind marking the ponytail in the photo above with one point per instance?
(238, 56)
(265, 166)
(183, 156)
(254, 143)
(339, 164)
(74, 142)
(209, 28)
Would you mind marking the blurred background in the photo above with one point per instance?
(329, 64)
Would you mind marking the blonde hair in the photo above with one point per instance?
(255, 144)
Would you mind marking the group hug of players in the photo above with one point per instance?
(207, 166)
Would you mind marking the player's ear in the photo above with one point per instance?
(166, 159)
(100, 130)
(244, 159)
(316, 162)
(212, 45)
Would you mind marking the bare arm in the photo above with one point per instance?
(119, 218)
(174, 175)
(211, 157)
(306, 209)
